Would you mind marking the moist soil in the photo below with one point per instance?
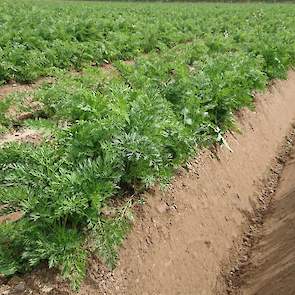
(185, 238)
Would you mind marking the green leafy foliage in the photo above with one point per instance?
(115, 131)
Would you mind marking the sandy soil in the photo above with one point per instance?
(24, 135)
(183, 237)
(271, 269)
(14, 87)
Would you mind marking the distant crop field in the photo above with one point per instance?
(126, 94)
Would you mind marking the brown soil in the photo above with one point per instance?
(235, 273)
(184, 236)
(16, 113)
(24, 135)
(109, 68)
(13, 87)
(11, 217)
(271, 267)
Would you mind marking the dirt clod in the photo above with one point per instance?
(19, 288)
(162, 208)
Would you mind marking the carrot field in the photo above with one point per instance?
(126, 94)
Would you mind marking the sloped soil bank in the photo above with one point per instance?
(187, 239)
(270, 267)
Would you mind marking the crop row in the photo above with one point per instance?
(36, 38)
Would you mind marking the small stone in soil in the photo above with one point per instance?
(161, 208)
(47, 289)
(19, 288)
